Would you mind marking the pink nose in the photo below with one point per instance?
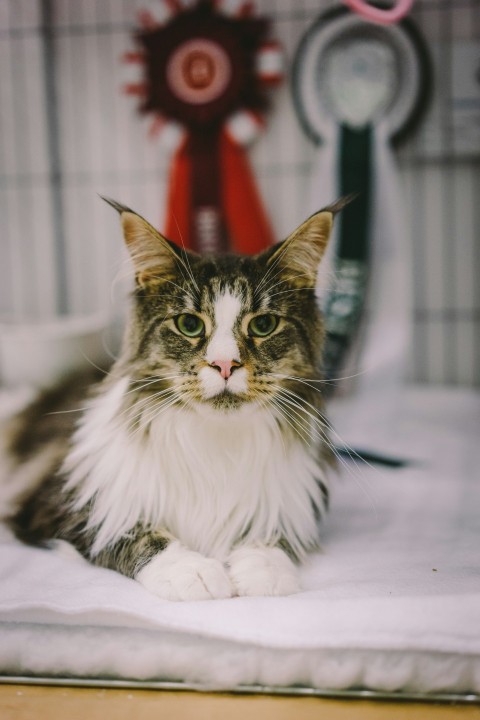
(225, 367)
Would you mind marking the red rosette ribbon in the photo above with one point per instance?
(204, 70)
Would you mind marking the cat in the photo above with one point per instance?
(199, 466)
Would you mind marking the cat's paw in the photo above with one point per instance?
(261, 570)
(180, 574)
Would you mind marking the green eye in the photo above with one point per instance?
(262, 325)
(190, 325)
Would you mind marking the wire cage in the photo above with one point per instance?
(68, 134)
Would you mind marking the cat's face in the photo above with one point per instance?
(225, 331)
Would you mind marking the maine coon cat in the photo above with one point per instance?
(199, 463)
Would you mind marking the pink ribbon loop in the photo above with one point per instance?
(383, 16)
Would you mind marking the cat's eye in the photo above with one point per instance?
(190, 325)
(262, 325)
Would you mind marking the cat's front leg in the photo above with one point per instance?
(167, 568)
(262, 570)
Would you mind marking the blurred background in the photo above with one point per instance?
(67, 134)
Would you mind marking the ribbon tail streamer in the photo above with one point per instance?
(368, 414)
(246, 218)
(178, 226)
(247, 224)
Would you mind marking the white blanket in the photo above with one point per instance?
(392, 603)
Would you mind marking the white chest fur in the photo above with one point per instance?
(210, 479)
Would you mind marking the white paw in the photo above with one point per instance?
(181, 574)
(262, 570)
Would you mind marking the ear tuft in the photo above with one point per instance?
(116, 205)
(299, 255)
(341, 203)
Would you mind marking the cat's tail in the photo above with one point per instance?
(35, 430)
(13, 484)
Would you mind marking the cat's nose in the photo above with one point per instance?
(225, 367)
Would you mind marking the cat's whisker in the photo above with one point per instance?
(273, 265)
(125, 270)
(355, 458)
(106, 348)
(264, 290)
(141, 405)
(303, 401)
(300, 403)
(303, 429)
(299, 412)
(358, 461)
(145, 379)
(285, 418)
(142, 387)
(284, 281)
(356, 477)
(306, 381)
(148, 394)
(190, 273)
(365, 371)
(359, 478)
(187, 400)
(267, 278)
(182, 266)
(146, 416)
(187, 263)
(292, 290)
(330, 427)
(151, 379)
(94, 365)
(154, 379)
(139, 413)
(66, 412)
(297, 420)
(150, 397)
(317, 431)
(189, 276)
(303, 381)
(171, 282)
(265, 404)
(129, 272)
(290, 419)
(154, 409)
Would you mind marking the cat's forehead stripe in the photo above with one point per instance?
(226, 310)
(223, 345)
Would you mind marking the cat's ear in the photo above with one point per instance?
(154, 258)
(298, 257)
